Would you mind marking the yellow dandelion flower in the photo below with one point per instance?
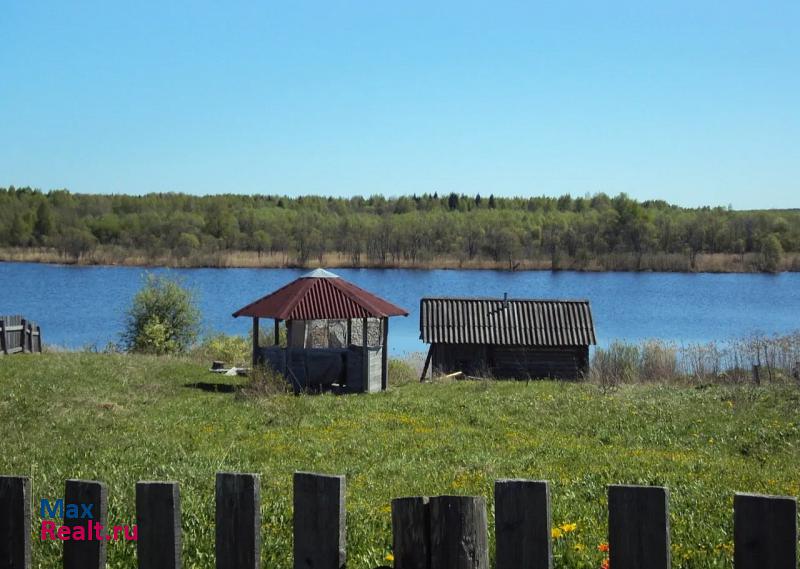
(567, 528)
(579, 547)
(555, 533)
(389, 557)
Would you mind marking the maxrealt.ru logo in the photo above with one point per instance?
(91, 531)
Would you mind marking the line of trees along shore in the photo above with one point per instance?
(596, 232)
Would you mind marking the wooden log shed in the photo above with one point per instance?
(332, 340)
(507, 338)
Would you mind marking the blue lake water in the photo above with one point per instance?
(84, 306)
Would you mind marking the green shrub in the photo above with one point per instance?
(400, 373)
(233, 350)
(163, 318)
(616, 364)
(266, 382)
(658, 362)
(155, 338)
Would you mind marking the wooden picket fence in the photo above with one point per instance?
(18, 335)
(442, 532)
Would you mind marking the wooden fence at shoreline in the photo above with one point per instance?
(18, 335)
(442, 532)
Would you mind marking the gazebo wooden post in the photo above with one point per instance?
(277, 332)
(255, 341)
(365, 363)
(287, 358)
(385, 355)
(349, 331)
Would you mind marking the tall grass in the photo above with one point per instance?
(777, 359)
(661, 262)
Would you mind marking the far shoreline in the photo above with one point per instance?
(714, 263)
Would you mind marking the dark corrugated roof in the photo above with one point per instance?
(519, 322)
(320, 297)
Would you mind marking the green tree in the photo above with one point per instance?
(771, 253)
(452, 201)
(599, 231)
(44, 224)
(261, 241)
(187, 244)
(76, 242)
(20, 233)
(163, 318)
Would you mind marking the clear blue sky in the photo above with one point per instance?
(696, 103)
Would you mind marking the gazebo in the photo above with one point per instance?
(336, 333)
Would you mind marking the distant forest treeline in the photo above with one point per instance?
(586, 233)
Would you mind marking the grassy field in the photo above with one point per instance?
(122, 418)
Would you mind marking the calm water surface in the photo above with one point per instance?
(84, 306)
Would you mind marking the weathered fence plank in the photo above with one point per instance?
(23, 338)
(459, 533)
(522, 525)
(411, 533)
(638, 527)
(18, 335)
(15, 522)
(319, 521)
(87, 553)
(238, 521)
(158, 520)
(444, 532)
(764, 532)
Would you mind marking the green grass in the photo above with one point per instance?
(120, 419)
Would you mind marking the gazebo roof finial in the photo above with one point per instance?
(319, 274)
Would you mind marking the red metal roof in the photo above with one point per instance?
(320, 296)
